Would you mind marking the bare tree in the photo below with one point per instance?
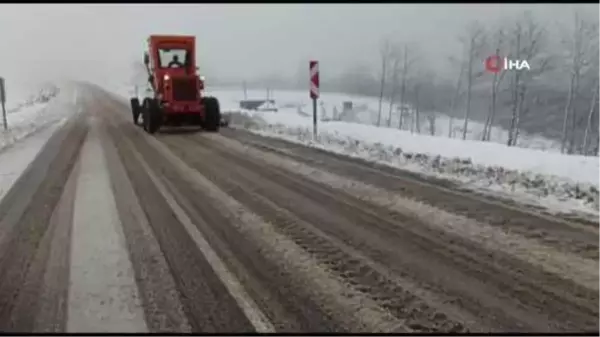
(431, 118)
(475, 40)
(593, 105)
(408, 59)
(417, 117)
(528, 40)
(384, 52)
(593, 71)
(582, 45)
(515, 83)
(457, 93)
(597, 145)
(423, 79)
(499, 40)
(396, 58)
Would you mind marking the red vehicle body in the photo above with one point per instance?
(177, 89)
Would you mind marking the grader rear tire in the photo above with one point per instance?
(212, 114)
(152, 115)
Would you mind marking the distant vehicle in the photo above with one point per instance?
(176, 89)
(258, 104)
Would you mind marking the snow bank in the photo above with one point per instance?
(560, 182)
(364, 111)
(31, 123)
(42, 107)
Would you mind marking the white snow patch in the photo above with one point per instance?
(536, 175)
(29, 129)
(553, 192)
(32, 113)
(365, 110)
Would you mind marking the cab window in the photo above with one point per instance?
(173, 58)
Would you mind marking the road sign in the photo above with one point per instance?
(314, 79)
(314, 92)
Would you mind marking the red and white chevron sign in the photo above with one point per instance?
(314, 79)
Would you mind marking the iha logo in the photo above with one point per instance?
(496, 63)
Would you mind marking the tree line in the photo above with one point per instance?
(557, 97)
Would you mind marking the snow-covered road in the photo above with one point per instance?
(111, 229)
(534, 173)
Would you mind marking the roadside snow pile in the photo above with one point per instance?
(40, 96)
(364, 110)
(544, 178)
(32, 113)
(29, 130)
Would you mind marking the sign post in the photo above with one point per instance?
(3, 101)
(314, 92)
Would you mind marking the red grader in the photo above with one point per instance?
(177, 98)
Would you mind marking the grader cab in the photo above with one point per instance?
(176, 97)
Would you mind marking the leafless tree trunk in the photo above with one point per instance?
(563, 139)
(521, 102)
(384, 51)
(584, 147)
(455, 98)
(593, 70)
(576, 46)
(396, 63)
(496, 82)
(405, 65)
(527, 47)
(417, 115)
(597, 145)
(515, 84)
(469, 86)
(574, 117)
(431, 118)
(475, 43)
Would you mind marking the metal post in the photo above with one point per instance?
(314, 92)
(3, 101)
(4, 116)
(245, 91)
(314, 118)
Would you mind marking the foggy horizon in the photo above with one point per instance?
(234, 41)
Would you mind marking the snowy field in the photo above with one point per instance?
(528, 174)
(33, 115)
(26, 111)
(365, 112)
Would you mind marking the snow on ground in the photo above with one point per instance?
(531, 176)
(563, 183)
(26, 111)
(365, 109)
(30, 124)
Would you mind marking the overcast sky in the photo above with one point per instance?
(101, 41)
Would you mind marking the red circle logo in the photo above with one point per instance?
(493, 63)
